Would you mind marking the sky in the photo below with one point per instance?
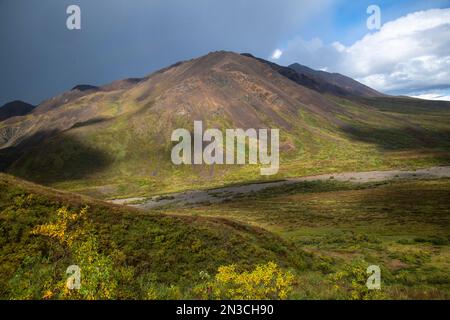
(40, 57)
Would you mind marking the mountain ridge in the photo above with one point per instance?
(336, 80)
(322, 81)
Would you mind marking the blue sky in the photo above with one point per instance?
(348, 18)
(41, 58)
(410, 55)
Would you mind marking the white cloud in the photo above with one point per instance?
(443, 95)
(409, 53)
(276, 54)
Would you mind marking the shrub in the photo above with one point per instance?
(350, 283)
(266, 281)
(100, 276)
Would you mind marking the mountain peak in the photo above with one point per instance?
(84, 87)
(15, 108)
(299, 66)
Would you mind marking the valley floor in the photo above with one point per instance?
(322, 232)
(217, 195)
(400, 225)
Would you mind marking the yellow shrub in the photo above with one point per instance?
(350, 283)
(59, 230)
(265, 282)
(99, 275)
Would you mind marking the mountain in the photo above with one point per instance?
(321, 81)
(14, 109)
(334, 83)
(114, 140)
(84, 87)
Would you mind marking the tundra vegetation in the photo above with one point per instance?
(314, 241)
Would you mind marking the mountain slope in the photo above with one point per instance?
(115, 140)
(147, 251)
(334, 83)
(321, 81)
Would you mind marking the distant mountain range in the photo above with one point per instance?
(115, 139)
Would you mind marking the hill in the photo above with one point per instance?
(114, 140)
(14, 109)
(138, 255)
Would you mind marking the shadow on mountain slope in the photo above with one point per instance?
(89, 122)
(47, 157)
(397, 139)
(406, 105)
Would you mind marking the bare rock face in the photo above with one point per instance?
(7, 133)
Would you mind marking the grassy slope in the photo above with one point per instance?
(157, 250)
(133, 162)
(402, 226)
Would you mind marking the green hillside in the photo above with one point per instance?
(123, 253)
(321, 236)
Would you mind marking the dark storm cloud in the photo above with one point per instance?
(40, 57)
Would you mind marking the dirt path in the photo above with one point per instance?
(221, 194)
